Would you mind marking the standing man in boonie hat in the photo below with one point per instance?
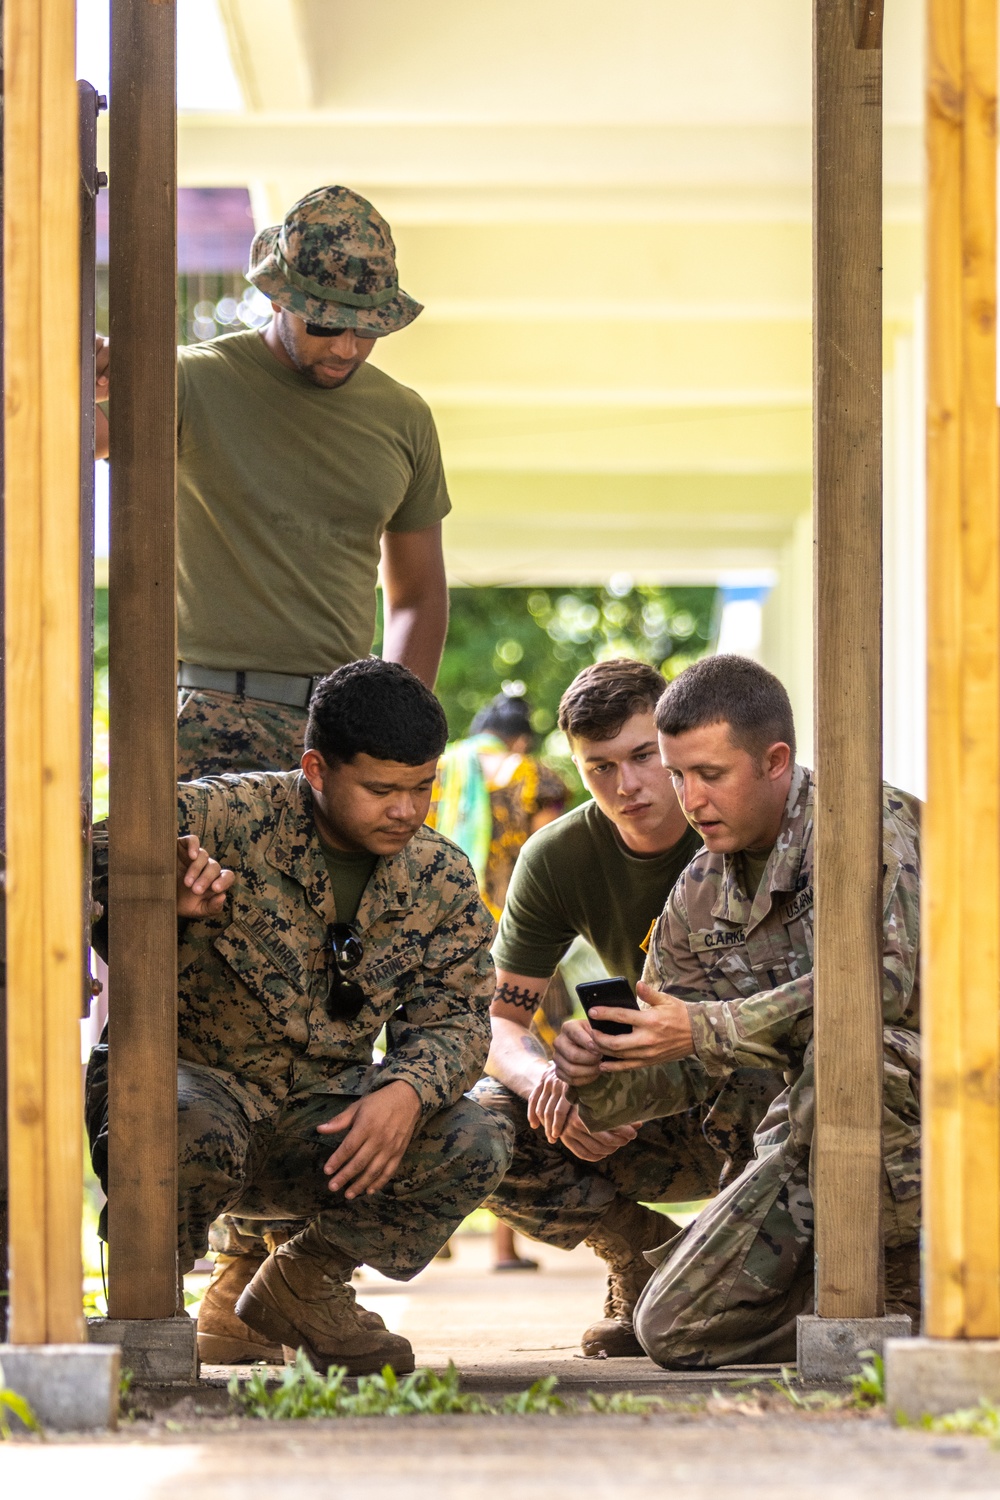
(298, 466)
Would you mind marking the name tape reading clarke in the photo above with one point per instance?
(734, 937)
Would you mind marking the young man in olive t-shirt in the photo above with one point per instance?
(299, 466)
(604, 871)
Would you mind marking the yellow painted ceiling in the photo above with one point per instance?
(606, 213)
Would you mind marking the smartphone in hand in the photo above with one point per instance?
(617, 992)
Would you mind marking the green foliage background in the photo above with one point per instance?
(537, 639)
(531, 640)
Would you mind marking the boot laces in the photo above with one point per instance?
(625, 1282)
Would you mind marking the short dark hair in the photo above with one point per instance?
(506, 716)
(729, 690)
(377, 708)
(602, 698)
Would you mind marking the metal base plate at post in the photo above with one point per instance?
(928, 1377)
(69, 1387)
(158, 1351)
(831, 1348)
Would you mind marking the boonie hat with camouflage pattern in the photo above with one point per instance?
(333, 262)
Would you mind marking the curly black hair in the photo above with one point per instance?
(378, 708)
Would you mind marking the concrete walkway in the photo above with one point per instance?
(505, 1331)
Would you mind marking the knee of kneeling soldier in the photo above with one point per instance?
(485, 1145)
(658, 1324)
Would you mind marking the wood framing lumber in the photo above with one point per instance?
(143, 664)
(847, 478)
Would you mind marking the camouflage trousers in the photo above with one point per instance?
(220, 732)
(729, 1291)
(554, 1196)
(273, 1170)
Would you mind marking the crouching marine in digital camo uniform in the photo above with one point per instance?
(345, 915)
(729, 984)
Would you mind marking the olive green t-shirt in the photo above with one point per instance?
(575, 876)
(754, 866)
(349, 875)
(283, 492)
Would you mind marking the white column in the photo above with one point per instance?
(786, 640)
(905, 654)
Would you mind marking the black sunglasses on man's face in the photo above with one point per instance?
(317, 331)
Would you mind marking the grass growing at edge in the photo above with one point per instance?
(11, 1402)
(868, 1388)
(982, 1420)
(304, 1392)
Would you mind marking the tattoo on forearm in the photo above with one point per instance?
(523, 999)
(533, 1045)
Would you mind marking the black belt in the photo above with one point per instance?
(268, 687)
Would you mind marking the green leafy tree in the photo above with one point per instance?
(533, 641)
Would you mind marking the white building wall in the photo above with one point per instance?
(905, 616)
(787, 635)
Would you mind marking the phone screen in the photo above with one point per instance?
(617, 992)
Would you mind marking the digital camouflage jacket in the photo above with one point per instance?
(746, 970)
(252, 983)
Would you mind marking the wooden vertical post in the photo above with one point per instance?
(90, 105)
(961, 886)
(143, 663)
(847, 368)
(42, 633)
(4, 1200)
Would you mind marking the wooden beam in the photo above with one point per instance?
(42, 633)
(961, 887)
(89, 105)
(847, 417)
(142, 1144)
(866, 23)
(4, 1199)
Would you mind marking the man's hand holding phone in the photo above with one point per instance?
(659, 1033)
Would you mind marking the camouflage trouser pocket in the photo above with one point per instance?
(218, 732)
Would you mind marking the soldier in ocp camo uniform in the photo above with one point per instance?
(346, 915)
(728, 983)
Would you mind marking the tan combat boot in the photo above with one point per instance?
(223, 1338)
(302, 1298)
(625, 1231)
